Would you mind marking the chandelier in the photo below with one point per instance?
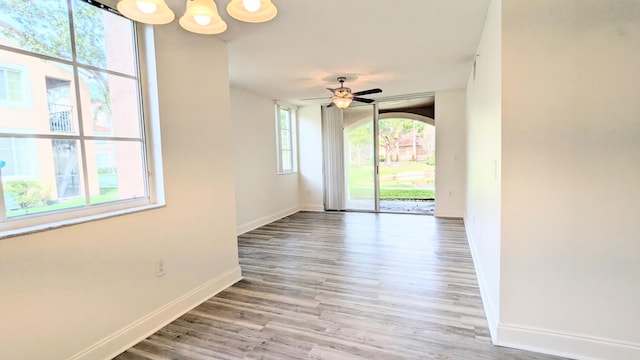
(200, 16)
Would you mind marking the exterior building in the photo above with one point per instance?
(40, 98)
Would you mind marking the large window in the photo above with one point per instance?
(286, 139)
(77, 146)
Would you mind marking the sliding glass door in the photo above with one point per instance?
(380, 157)
(361, 191)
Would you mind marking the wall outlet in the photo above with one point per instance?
(160, 268)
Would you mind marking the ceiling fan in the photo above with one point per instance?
(343, 96)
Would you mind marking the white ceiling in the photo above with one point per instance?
(401, 46)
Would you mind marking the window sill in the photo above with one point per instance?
(80, 220)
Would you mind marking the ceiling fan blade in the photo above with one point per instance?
(367, 92)
(330, 104)
(368, 101)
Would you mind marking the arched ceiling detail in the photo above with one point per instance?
(407, 115)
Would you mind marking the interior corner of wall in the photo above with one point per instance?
(489, 303)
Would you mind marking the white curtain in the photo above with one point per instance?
(333, 157)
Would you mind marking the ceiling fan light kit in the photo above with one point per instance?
(252, 11)
(154, 12)
(201, 16)
(341, 102)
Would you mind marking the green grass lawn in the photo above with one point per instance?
(393, 194)
(105, 196)
(407, 194)
(399, 180)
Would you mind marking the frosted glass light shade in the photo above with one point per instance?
(266, 12)
(147, 7)
(194, 18)
(341, 102)
(252, 5)
(162, 14)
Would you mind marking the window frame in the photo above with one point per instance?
(292, 137)
(149, 138)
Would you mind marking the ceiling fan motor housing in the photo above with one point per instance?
(342, 96)
(342, 91)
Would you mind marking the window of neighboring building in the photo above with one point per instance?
(286, 139)
(18, 156)
(12, 87)
(81, 142)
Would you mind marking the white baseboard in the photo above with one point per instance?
(254, 224)
(568, 345)
(140, 329)
(573, 346)
(448, 213)
(312, 207)
(488, 302)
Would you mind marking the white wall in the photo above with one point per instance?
(482, 219)
(90, 290)
(571, 177)
(450, 153)
(310, 158)
(262, 195)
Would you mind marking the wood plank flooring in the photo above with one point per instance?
(341, 285)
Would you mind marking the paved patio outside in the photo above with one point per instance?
(408, 206)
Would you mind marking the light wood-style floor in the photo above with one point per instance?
(341, 285)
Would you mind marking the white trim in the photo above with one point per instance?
(285, 105)
(151, 111)
(407, 96)
(312, 207)
(293, 139)
(119, 341)
(446, 213)
(254, 224)
(551, 342)
(582, 347)
(51, 225)
(488, 302)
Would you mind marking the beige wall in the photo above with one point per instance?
(90, 290)
(483, 146)
(262, 195)
(310, 158)
(571, 175)
(450, 153)
(565, 262)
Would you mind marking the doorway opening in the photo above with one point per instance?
(406, 166)
(389, 157)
